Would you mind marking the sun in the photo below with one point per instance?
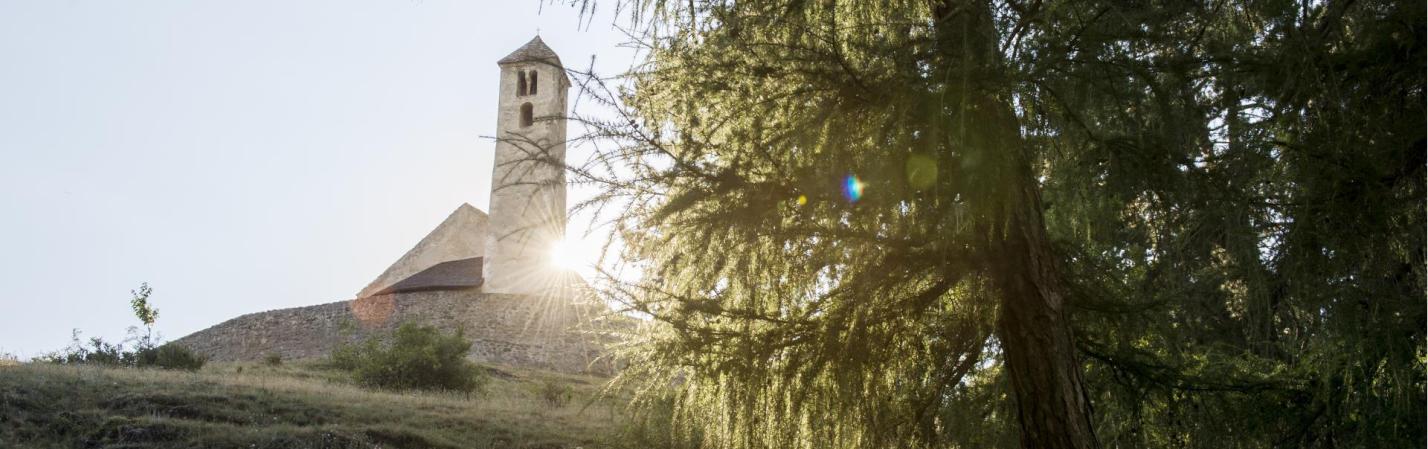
(573, 255)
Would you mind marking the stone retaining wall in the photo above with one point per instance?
(539, 332)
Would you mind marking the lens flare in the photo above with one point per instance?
(921, 171)
(567, 254)
(577, 255)
(853, 188)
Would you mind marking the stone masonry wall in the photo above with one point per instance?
(538, 332)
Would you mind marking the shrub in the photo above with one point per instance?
(413, 357)
(170, 356)
(146, 352)
(273, 359)
(97, 352)
(144, 355)
(347, 356)
(554, 394)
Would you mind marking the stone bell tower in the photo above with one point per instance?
(527, 211)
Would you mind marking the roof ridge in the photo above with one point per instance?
(535, 50)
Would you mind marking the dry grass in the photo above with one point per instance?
(293, 405)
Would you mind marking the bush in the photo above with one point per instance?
(273, 359)
(170, 356)
(144, 355)
(413, 357)
(555, 394)
(97, 352)
(146, 352)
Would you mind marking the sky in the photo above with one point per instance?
(242, 156)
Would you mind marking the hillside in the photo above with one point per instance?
(248, 405)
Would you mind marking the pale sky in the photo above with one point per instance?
(241, 156)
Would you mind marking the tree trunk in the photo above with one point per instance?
(1035, 332)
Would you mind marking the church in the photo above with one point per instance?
(507, 250)
(487, 274)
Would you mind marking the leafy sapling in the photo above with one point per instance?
(143, 310)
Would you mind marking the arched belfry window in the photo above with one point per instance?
(527, 115)
(533, 82)
(520, 83)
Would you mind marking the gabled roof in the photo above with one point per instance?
(451, 275)
(461, 236)
(535, 50)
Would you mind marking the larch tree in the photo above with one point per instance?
(1039, 224)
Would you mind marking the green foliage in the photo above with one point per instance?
(138, 351)
(143, 354)
(140, 303)
(554, 394)
(412, 357)
(656, 427)
(169, 356)
(1234, 191)
(95, 351)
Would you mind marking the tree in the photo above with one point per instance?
(145, 312)
(951, 223)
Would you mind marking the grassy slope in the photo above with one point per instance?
(286, 407)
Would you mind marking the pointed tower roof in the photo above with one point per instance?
(535, 50)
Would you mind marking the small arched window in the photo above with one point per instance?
(527, 115)
(533, 83)
(521, 83)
